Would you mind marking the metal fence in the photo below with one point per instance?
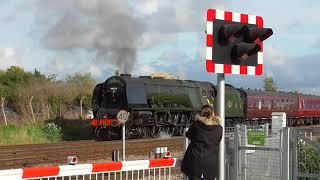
(254, 162)
(160, 169)
(285, 154)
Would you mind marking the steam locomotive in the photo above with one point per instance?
(151, 106)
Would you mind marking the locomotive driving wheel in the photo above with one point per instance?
(181, 131)
(170, 130)
(155, 131)
(142, 132)
(103, 134)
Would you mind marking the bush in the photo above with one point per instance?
(52, 132)
(309, 160)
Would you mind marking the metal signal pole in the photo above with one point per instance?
(221, 114)
(124, 142)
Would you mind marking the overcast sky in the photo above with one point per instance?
(145, 36)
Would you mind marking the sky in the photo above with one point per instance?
(146, 36)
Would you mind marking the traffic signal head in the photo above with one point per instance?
(235, 43)
(254, 33)
(229, 32)
(242, 51)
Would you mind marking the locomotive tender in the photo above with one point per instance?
(151, 106)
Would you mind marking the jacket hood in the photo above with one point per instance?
(213, 121)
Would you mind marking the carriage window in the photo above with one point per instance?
(255, 101)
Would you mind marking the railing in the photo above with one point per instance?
(141, 169)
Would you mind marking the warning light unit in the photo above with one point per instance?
(235, 43)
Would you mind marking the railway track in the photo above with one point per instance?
(89, 151)
(20, 156)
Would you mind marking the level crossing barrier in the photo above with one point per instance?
(133, 170)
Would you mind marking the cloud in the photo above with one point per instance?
(10, 57)
(114, 31)
(317, 43)
(143, 69)
(146, 7)
(274, 57)
(181, 15)
(62, 66)
(152, 39)
(301, 71)
(173, 56)
(8, 19)
(293, 73)
(165, 19)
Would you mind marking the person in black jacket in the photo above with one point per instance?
(202, 155)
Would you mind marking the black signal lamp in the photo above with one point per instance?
(229, 32)
(253, 33)
(242, 51)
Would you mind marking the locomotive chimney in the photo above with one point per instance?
(125, 75)
(116, 72)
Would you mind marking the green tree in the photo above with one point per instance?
(83, 85)
(15, 75)
(10, 79)
(269, 84)
(295, 92)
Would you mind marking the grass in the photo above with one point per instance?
(27, 134)
(52, 131)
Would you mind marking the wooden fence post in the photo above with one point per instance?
(31, 110)
(2, 110)
(81, 102)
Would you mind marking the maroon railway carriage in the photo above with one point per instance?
(300, 108)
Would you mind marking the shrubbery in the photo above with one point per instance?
(52, 131)
(37, 97)
(309, 159)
